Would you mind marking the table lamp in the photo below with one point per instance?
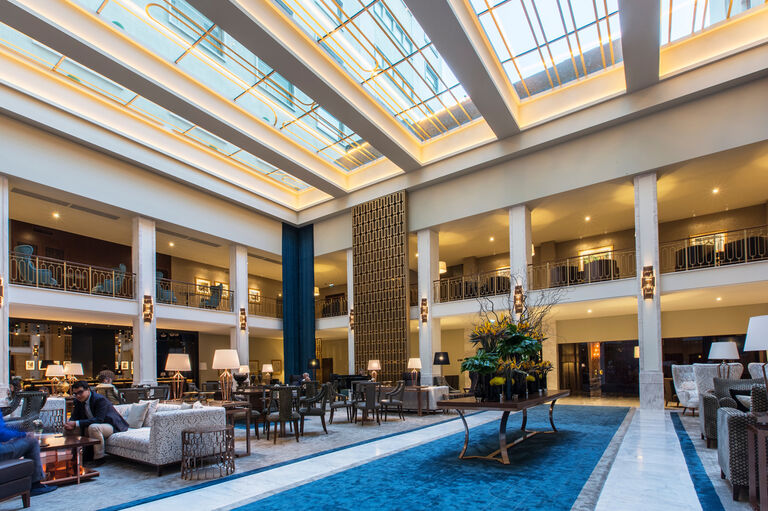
(241, 375)
(54, 372)
(414, 364)
(757, 338)
(177, 362)
(373, 366)
(724, 351)
(73, 370)
(313, 365)
(267, 370)
(226, 360)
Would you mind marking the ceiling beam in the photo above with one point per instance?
(267, 32)
(640, 33)
(458, 36)
(86, 39)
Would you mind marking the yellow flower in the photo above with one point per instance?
(530, 378)
(498, 380)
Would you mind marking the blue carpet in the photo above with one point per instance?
(545, 472)
(708, 497)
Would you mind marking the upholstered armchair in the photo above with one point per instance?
(32, 403)
(213, 301)
(339, 401)
(732, 446)
(394, 400)
(282, 400)
(315, 406)
(685, 387)
(28, 272)
(163, 295)
(755, 369)
(370, 402)
(111, 286)
(712, 401)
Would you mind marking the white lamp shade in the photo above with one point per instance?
(757, 334)
(374, 365)
(178, 362)
(724, 351)
(73, 369)
(414, 363)
(267, 368)
(225, 359)
(54, 371)
(244, 369)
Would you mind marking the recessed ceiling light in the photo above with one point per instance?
(171, 244)
(719, 298)
(56, 215)
(589, 311)
(715, 190)
(491, 238)
(587, 218)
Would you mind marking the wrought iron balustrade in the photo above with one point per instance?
(585, 269)
(331, 307)
(717, 249)
(187, 294)
(472, 286)
(267, 307)
(49, 273)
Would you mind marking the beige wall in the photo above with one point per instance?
(265, 351)
(723, 221)
(207, 345)
(452, 341)
(337, 349)
(185, 270)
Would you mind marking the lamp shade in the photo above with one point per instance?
(374, 365)
(267, 368)
(54, 371)
(73, 369)
(414, 363)
(757, 334)
(244, 369)
(441, 359)
(225, 359)
(178, 362)
(724, 351)
(314, 363)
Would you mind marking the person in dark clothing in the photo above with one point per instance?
(16, 444)
(95, 417)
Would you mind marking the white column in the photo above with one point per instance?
(5, 247)
(549, 352)
(648, 310)
(238, 283)
(350, 306)
(429, 331)
(144, 332)
(520, 255)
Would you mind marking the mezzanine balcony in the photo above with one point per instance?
(266, 307)
(726, 248)
(187, 294)
(584, 269)
(465, 287)
(331, 307)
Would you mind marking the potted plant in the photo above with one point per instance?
(484, 364)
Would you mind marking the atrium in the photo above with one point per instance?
(389, 227)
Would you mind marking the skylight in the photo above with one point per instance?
(176, 32)
(543, 44)
(681, 18)
(31, 50)
(381, 45)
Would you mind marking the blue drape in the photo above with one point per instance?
(298, 299)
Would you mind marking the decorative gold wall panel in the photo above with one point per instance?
(380, 269)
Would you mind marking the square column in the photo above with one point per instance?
(238, 282)
(429, 330)
(648, 309)
(350, 307)
(5, 247)
(520, 240)
(144, 332)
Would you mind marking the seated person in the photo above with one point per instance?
(305, 378)
(110, 391)
(93, 416)
(14, 445)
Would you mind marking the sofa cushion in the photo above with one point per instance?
(132, 439)
(150, 411)
(16, 469)
(136, 414)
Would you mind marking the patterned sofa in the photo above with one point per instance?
(732, 432)
(712, 401)
(158, 443)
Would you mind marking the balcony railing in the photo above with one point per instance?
(331, 307)
(471, 286)
(45, 272)
(598, 267)
(173, 292)
(267, 307)
(718, 249)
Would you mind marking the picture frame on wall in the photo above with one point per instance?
(224, 286)
(125, 365)
(253, 366)
(254, 295)
(277, 366)
(29, 365)
(202, 286)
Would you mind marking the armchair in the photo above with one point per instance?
(712, 401)
(163, 295)
(32, 403)
(110, 286)
(16, 479)
(28, 272)
(394, 399)
(339, 401)
(213, 301)
(315, 406)
(685, 387)
(755, 370)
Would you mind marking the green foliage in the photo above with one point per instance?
(483, 362)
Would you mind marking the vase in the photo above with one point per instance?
(508, 388)
(543, 382)
(495, 392)
(519, 386)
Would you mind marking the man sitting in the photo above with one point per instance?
(110, 391)
(95, 417)
(14, 445)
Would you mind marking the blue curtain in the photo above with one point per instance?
(298, 299)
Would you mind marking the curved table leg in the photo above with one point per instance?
(466, 434)
(525, 418)
(551, 418)
(503, 437)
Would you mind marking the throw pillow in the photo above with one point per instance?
(186, 406)
(197, 404)
(136, 414)
(740, 392)
(150, 411)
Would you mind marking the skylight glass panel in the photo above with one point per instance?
(31, 50)
(178, 33)
(681, 18)
(381, 45)
(543, 44)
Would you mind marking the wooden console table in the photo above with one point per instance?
(502, 455)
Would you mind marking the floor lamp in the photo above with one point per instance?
(757, 338)
(177, 362)
(724, 351)
(414, 364)
(226, 360)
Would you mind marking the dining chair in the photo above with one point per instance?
(282, 399)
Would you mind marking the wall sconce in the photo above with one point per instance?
(648, 282)
(352, 319)
(2, 291)
(424, 310)
(518, 299)
(36, 350)
(243, 319)
(148, 309)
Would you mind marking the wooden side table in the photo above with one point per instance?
(62, 459)
(207, 452)
(757, 435)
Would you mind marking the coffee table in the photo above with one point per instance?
(62, 459)
(502, 455)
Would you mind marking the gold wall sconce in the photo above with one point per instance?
(424, 310)
(243, 319)
(148, 309)
(518, 299)
(351, 319)
(648, 282)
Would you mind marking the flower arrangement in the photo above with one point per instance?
(498, 380)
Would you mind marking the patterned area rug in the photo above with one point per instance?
(547, 471)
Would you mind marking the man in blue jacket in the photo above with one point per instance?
(16, 444)
(95, 417)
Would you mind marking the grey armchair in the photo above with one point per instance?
(685, 387)
(31, 402)
(282, 399)
(394, 400)
(712, 401)
(370, 403)
(337, 402)
(315, 406)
